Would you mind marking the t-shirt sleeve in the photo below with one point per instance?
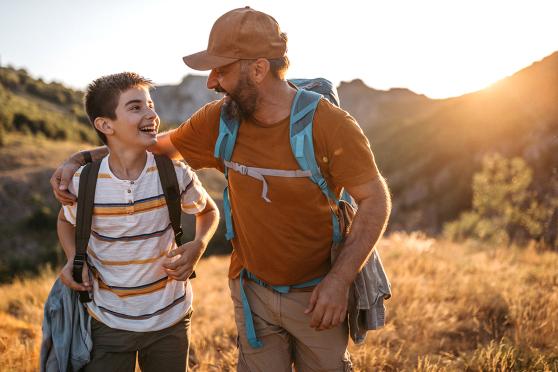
(70, 211)
(193, 195)
(342, 148)
(195, 138)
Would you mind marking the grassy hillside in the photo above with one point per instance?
(31, 106)
(454, 308)
(429, 149)
(29, 228)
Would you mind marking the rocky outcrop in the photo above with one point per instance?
(176, 103)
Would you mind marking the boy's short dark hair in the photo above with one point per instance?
(102, 95)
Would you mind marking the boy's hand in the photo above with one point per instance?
(67, 278)
(182, 268)
(60, 180)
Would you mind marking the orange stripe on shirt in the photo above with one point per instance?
(137, 208)
(123, 263)
(134, 292)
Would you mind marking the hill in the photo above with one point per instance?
(454, 308)
(429, 149)
(31, 106)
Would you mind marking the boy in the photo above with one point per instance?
(141, 296)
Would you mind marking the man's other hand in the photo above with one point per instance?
(328, 303)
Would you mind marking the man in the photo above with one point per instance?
(285, 238)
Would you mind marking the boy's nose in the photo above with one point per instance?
(151, 113)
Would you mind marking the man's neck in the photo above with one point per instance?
(274, 102)
(127, 164)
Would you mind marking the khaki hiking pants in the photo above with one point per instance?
(285, 332)
(115, 350)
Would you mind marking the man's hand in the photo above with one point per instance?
(61, 179)
(328, 303)
(182, 268)
(68, 280)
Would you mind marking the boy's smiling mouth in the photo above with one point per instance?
(149, 129)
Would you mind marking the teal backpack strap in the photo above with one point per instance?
(302, 145)
(224, 146)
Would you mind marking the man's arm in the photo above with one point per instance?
(191, 252)
(328, 303)
(66, 235)
(62, 176)
(164, 146)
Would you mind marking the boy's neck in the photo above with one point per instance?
(127, 164)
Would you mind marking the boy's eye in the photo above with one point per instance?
(134, 107)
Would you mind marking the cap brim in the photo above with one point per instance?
(202, 61)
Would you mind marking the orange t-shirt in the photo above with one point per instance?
(287, 241)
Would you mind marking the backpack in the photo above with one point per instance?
(372, 278)
(86, 198)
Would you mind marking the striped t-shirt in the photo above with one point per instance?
(130, 236)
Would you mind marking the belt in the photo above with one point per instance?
(248, 319)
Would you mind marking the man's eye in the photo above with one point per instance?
(135, 107)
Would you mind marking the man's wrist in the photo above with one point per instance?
(78, 158)
(86, 155)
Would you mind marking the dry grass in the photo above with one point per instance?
(455, 308)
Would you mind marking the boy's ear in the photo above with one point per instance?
(103, 125)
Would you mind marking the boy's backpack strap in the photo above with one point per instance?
(302, 145)
(169, 182)
(84, 216)
(224, 146)
(167, 175)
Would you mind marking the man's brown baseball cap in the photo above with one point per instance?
(242, 33)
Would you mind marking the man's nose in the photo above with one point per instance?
(212, 81)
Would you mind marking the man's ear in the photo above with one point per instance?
(260, 69)
(103, 125)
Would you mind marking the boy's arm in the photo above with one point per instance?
(191, 252)
(66, 235)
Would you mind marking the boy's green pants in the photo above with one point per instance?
(115, 350)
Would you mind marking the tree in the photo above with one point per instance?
(506, 209)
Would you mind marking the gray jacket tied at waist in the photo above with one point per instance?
(66, 343)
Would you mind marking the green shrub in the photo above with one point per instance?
(506, 209)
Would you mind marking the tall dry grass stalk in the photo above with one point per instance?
(454, 308)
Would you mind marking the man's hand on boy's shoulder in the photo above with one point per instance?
(68, 280)
(61, 179)
(182, 268)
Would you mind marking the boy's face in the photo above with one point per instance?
(136, 122)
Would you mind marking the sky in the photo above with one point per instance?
(438, 48)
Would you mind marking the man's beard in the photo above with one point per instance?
(242, 100)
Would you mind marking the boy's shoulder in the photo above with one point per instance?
(74, 185)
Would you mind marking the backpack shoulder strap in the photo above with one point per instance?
(224, 146)
(228, 129)
(171, 189)
(84, 216)
(169, 182)
(302, 145)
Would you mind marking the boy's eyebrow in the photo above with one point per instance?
(137, 101)
(133, 101)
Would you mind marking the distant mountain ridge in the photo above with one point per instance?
(428, 149)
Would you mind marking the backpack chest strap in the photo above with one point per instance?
(260, 173)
